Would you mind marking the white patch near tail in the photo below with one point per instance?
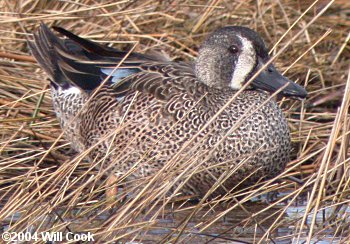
(72, 90)
(244, 65)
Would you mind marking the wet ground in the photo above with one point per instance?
(239, 226)
(252, 222)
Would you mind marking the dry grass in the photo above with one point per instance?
(46, 187)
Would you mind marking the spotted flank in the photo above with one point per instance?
(151, 112)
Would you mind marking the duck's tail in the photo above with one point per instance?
(44, 49)
(79, 62)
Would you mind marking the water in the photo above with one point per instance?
(240, 225)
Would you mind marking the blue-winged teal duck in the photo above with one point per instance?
(154, 107)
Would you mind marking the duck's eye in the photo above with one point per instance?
(233, 49)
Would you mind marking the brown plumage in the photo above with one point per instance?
(148, 109)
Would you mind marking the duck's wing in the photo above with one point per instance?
(162, 80)
(82, 63)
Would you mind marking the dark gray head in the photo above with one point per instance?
(230, 56)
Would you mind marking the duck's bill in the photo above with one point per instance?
(271, 80)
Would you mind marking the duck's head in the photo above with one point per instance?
(230, 56)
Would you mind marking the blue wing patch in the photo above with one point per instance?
(118, 74)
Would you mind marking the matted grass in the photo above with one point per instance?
(46, 187)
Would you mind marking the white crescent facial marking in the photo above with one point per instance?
(244, 65)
